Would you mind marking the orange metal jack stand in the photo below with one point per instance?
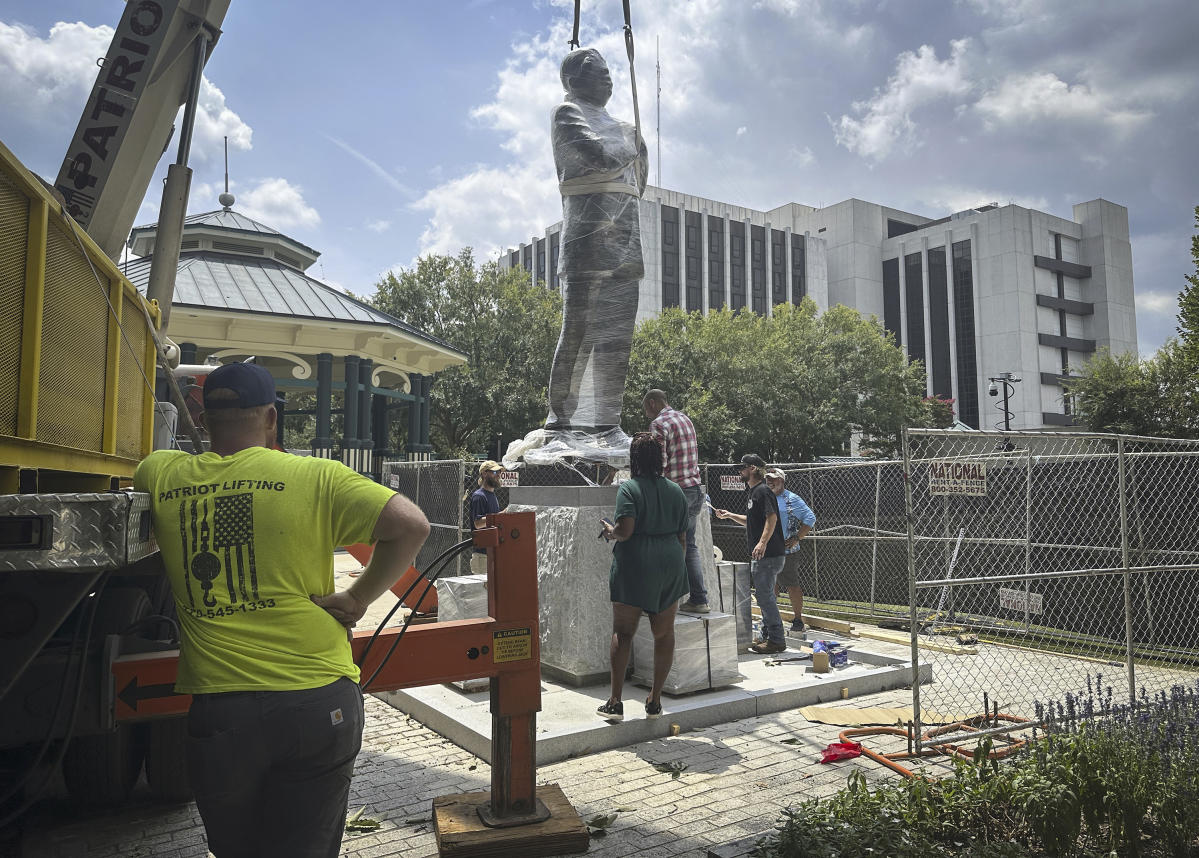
(516, 816)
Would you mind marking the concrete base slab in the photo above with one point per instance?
(568, 727)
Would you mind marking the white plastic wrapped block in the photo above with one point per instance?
(733, 594)
(705, 654)
(463, 597)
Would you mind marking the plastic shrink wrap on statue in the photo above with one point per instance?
(602, 168)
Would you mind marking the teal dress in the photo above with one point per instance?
(648, 570)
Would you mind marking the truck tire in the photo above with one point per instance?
(102, 769)
(166, 759)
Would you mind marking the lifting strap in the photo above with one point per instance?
(637, 142)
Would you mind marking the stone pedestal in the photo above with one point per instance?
(705, 653)
(573, 566)
(572, 578)
(732, 595)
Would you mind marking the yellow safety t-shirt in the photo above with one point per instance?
(246, 540)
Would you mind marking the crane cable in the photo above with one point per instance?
(628, 46)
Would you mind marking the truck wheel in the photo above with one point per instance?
(166, 760)
(102, 769)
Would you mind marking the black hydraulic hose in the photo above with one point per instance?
(86, 628)
(435, 570)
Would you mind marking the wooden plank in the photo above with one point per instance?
(899, 638)
(461, 833)
(843, 627)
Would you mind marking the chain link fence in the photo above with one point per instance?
(1068, 556)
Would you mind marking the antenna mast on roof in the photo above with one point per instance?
(226, 199)
(658, 59)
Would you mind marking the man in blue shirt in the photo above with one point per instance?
(483, 503)
(797, 520)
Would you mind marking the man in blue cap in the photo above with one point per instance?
(247, 535)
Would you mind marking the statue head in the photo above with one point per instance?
(585, 76)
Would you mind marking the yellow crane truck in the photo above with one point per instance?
(80, 578)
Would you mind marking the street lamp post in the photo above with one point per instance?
(1007, 379)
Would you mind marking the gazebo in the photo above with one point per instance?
(241, 290)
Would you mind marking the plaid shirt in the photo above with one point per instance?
(680, 451)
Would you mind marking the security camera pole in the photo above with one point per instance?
(1007, 379)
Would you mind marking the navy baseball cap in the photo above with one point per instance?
(752, 459)
(252, 383)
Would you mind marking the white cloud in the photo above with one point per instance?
(489, 208)
(885, 120)
(742, 131)
(1043, 95)
(214, 121)
(378, 226)
(951, 199)
(46, 81)
(804, 157)
(277, 203)
(1165, 303)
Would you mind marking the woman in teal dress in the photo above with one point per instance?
(648, 570)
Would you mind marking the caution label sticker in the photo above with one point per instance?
(511, 645)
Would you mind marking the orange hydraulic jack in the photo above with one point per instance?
(516, 814)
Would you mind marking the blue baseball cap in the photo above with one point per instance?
(252, 383)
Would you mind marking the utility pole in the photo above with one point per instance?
(1008, 380)
(658, 60)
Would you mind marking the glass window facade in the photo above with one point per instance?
(670, 256)
(914, 292)
(526, 258)
(757, 267)
(540, 260)
(715, 262)
(554, 241)
(938, 312)
(692, 254)
(778, 266)
(891, 303)
(799, 280)
(737, 264)
(963, 310)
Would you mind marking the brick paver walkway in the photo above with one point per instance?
(737, 780)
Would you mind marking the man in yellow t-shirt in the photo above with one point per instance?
(247, 537)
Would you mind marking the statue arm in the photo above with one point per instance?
(574, 140)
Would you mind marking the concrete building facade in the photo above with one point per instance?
(983, 292)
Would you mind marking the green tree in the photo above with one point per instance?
(790, 387)
(1157, 396)
(1188, 306)
(507, 327)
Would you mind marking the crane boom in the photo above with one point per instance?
(127, 122)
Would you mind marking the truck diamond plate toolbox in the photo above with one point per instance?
(42, 532)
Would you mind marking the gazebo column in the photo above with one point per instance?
(426, 403)
(349, 437)
(379, 432)
(322, 444)
(413, 446)
(365, 444)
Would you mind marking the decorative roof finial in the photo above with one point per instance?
(226, 199)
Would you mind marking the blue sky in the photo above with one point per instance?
(377, 131)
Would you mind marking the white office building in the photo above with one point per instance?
(987, 291)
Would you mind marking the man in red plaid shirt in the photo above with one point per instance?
(680, 457)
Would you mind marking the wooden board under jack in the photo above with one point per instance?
(841, 627)
(460, 832)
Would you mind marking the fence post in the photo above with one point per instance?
(1132, 678)
(907, 492)
(816, 542)
(878, 482)
(1027, 536)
